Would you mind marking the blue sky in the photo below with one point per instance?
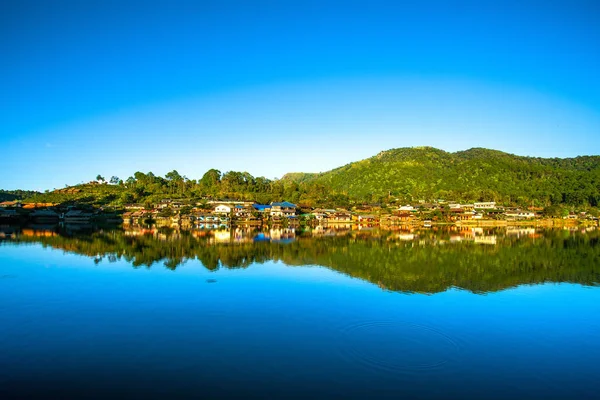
(270, 87)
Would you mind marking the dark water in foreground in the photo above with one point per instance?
(150, 313)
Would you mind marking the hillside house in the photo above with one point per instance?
(283, 209)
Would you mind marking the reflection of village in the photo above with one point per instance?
(223, 234)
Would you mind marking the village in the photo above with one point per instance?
(216, 213)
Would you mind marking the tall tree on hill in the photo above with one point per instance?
(175, 180)
(209, 184)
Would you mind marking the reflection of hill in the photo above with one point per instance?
(426, 262)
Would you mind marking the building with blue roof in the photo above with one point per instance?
(283, 209)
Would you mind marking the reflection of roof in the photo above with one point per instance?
(261, 238)
(284, 241)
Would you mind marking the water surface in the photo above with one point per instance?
(284, 314)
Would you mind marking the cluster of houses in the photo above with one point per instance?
(216, 213)
(49, 213)
(219, 212)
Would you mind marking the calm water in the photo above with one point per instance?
(327, 313)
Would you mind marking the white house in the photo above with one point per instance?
(222, 209)
(520, 214)
(406, 208)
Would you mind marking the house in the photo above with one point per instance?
(164, 203)
(520, 214)
(488, 205)
(459, 214)
(406, 208)
(322, 214)
(262, 208)
(340, 216)
(283, 209)
(242, 211)
(222, 209)
(133, 206)
(319, 216)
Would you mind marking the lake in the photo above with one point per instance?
(332, 312)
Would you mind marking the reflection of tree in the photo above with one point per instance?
(431, 264)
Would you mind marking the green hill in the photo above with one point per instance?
(401, 175)
(471, 175)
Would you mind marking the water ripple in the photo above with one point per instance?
(394, 346)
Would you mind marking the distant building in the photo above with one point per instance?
(489, 205)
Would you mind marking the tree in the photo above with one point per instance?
(174, 180)
(185, 210)
(100, 178)
(210, 181)
(556, 211)
(127, 198)
(114, 180)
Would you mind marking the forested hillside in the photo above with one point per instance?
(425, 173)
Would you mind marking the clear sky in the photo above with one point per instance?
(113, 87)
